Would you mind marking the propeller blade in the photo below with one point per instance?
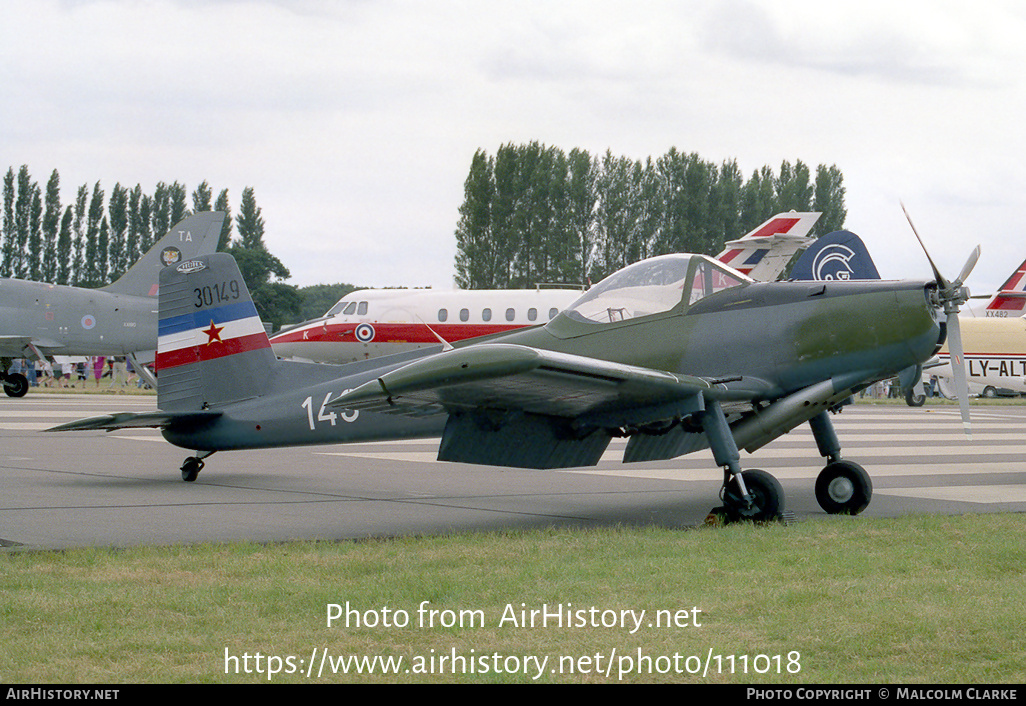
(967, 269)
(936, 273)
(958, 368)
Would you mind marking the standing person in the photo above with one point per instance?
(98, 362)
(66, 370)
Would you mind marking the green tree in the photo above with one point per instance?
(201, 198)
(51, 256)
(475, 252)
(276, 302)
(226, 227)
(118, 219)
(8, 226)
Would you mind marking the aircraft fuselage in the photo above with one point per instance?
(74, 321)
(774, 338)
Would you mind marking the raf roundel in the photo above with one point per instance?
(364, 333)
(88, 322)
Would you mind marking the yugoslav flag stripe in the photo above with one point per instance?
(209, 334)
(201, 317)
(218, 349)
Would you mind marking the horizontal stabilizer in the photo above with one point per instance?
(146, 420)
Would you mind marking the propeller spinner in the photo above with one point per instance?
(949, 297)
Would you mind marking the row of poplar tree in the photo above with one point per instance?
(94, 240)
(535, 214)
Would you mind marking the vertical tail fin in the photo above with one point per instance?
(840, 255)
(1010, 299)
(763, 253)
(195, 236)
(211, 346)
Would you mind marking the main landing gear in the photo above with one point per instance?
(752, 495)
(15, 384)
(193, 465)
(842, 487)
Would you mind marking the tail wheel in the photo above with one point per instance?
(16, 385)
(844, 488)
(191, 468)
(767, 499)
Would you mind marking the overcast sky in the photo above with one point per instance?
(355, 121)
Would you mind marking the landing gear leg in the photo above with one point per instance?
(842, 487)
(750, 495)
(193, 465)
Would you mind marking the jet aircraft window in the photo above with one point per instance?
(464, 314)
(510, 314)
(362, 310)
(350, 309)
(552, 313)
(486, 315)
(339, 306)
(443, 314)
(532, 314)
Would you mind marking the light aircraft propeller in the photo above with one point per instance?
(950, 296)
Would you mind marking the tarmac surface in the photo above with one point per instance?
(124, 488)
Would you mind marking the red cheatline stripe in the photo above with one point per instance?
(217, 349)
(395, 333)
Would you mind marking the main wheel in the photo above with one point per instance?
(913, 399)
(768, 498)
(844, 487)
(16, 385)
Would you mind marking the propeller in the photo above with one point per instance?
(950, 296)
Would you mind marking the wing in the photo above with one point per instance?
(21, 346)
(512, 405)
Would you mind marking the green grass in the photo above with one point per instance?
(924, 599)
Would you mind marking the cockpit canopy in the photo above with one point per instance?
(654, 286)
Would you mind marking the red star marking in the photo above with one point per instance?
(214, 333)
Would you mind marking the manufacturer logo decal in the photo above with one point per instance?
(191, 266)
(364, 333)
(833, 263)
(170, 255)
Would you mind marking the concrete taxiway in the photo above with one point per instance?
(124, 488)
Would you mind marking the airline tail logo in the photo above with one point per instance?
(833, 263)
(209, 334)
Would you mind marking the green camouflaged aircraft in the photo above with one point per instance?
(677, 353)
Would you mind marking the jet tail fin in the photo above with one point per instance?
(840, 255)
(195, 236)
(1010, 299)
(765, 251)
(211, 345)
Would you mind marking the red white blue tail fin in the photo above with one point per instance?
(1010, 300)
(211, 345)
(763, 253)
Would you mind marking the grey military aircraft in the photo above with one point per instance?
(39, 319)
(677, 353)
